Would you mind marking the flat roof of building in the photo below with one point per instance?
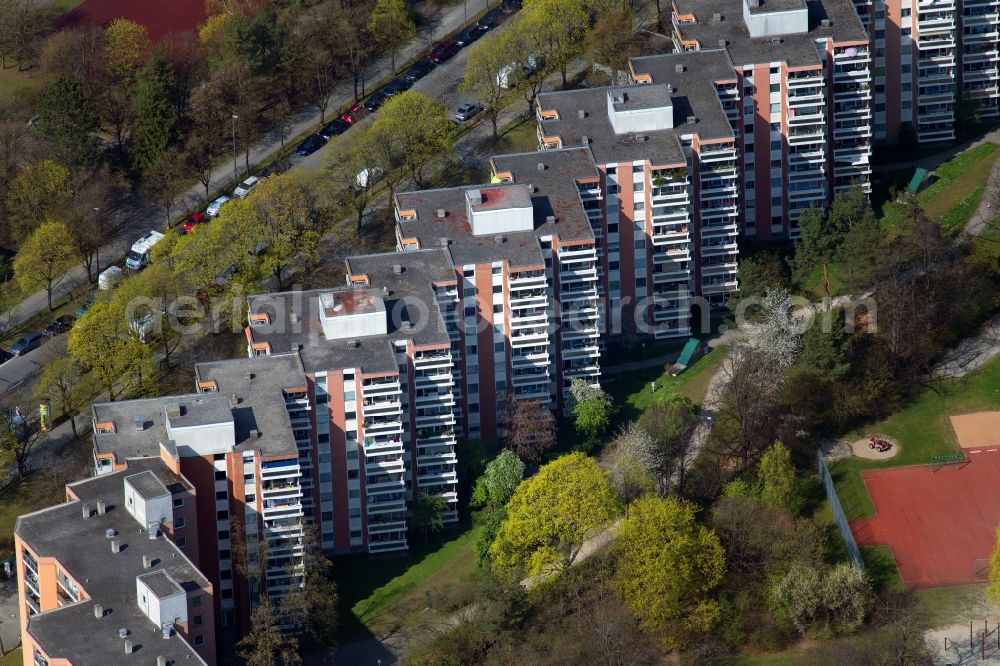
(555, 197)
(199, 410)
(341, 302)
(798, 50)
(127, 441)
(161, 584)
(764, 6)
(147, 484)
(260, 416)
(84, 552)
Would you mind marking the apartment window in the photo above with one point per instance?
(905, 69)
(355, 534)
(353, 494)
(221, 495)
(353, 513)
(349, 396)
(498, 289)
(198, 621)
(196, 601)
(640, 205)
(613, 265)
(636, 168)
(776, 201)
(880, 34)
(200, 640)
(181, 543)
(613, 228)
(775, 164)
(224, 554)
(222, 515)
(178, 502)
(473, 388)
(474, 408)
(251, 498)
(179, 522)
(220, 475)
(352, 435)
(776, 108)
(906, 31)
(775, 87)
(639, 187)
(748, 129)
(470, 311)
(352, 454)
(327, 516)
(640, 282)
(611, 171)
(351, 474)
(468, 272)
(613, 189)
(776, 127)
(497, 308)
(227, 594)
(906, 11)
(776, 145)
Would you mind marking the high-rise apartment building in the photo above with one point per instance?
(241, 441)
(104, 575)
(931, 59)
(801, 107)
(665, 213)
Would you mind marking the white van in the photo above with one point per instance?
(139, 256)
(368, 177)
(109, 277)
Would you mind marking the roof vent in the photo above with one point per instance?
(826, 23)
(153, 530)
(147, 561)
(550, 219)
(499, 239)
(128, 647)
(140, 423)
(444, 242)
(723, 43)
(353, 344)
(294, 317)
(670, 89)
(541, 166)
(102, 508)
(440, 213)
(641, 138)
(86, 511)
(161, 661)
(248, 376)
(173, 410)
(475, 197)
(679, 67)
(98, 611)
(716, 18)
(775, 41)
(407, 325)
(754, 3)
(122, 632)
(110, 533)
(581, 114)
(255, 434)
(586, 140)
(692, 120)
(397, 268)
(234, 400)
(116, 546)
(168, 630)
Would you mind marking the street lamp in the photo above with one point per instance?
(97, 252)
(235, 175)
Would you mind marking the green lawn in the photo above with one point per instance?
(377, 594)
(633, 393)
(14, 657)
(954, 196)
(881, 568)
(922, 430)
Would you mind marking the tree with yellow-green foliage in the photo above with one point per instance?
(668, 567)
(993, 590)
(551, 515)
(776, 476)
(415, 131)
(45, 257)
(102, 343)
(392, 26)
(34, 194)
(126, 44)
(487, 76)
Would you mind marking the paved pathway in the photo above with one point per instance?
(971, 353)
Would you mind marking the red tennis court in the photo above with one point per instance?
(938, 522)
(160, 17)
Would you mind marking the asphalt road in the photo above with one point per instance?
(21, 369)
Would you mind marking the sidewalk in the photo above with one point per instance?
(146, 217)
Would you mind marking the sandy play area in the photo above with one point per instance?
(977, 429)
(861, 449)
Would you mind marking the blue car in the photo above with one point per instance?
(28, 342)
(312, 143)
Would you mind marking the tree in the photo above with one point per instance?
(154, 126)
(670, 425)
(21, 24)
(18, 437)
(267, 644)
(67, 119)
(525, 47)
(630, 475)
(37, 192)
(312, 606)
(776, 476)
(392, 26)
(499, 481)
(126, 44)
(611, 42)
(668, 568)
(427, 513)
(45, 257)
(86, 225)
(564, 24)
(352, 155)
(199, 157)
(163, 181)
(774, 334)
(551, 514)
(101, 342)
(487, 59)
(159, 287)
(592, 418)
(759, 274)
(840, 598)
(417, 131)
(60, 384)
(993, 590)
(531, 429)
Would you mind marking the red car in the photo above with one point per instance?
(193, 223)
(442, 52)
(353, 114)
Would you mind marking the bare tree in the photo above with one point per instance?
(531, 429)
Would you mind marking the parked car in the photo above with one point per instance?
(312, 143)
(192, 223)
(397, 85)
(5, 356)
(468, 35)
(376, 100)
(510, 6)
(246, 187)
(353, 114)
(467, 111)
(332, 129)
(442, 52)
(60, 325)
(110, 277)
(367, 178)
(489, 20)
(27, 342)
(418, 70)
(82, 310)
(214, 207)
